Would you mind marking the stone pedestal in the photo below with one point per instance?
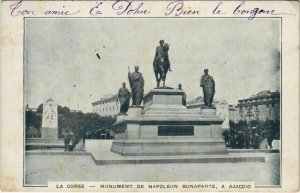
(165, 127)
(208, 112)
(135, 111)
(49, 133)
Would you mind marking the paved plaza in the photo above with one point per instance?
(41, 168)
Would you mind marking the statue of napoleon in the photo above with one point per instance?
(161, 63)
(208, 85)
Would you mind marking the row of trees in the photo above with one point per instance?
(241, 136)
(83, 125)
(93, 126)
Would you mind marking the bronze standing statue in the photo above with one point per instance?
(208, 85)
(136, 81)
(184, 95)
(161, 63)
(124, 98)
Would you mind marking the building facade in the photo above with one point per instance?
(234, 113)
(265, 105)
(109, 106)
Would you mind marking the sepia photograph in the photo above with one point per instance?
(152, 100)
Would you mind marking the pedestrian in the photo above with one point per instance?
(67, 139)
(256, 139)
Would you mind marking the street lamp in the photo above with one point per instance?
(249, 113)
(27, 115)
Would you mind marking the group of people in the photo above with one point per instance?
(242, 140)
(161, 64)
(72, 138)
(69, 140)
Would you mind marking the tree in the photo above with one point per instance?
(82, 124)
(258, 131)
(40, 109)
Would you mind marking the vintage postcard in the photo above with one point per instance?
(149, 96)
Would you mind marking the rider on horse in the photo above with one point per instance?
(161, 54)
(161, 63)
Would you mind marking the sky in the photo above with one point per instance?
(61, 63)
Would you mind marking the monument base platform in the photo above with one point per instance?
(159, 147)
(184, 159)
(44, 143)
(101, 154)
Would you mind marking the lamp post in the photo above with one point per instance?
(249, 113)
(27, 116)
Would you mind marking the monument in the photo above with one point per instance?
(50, 120)
(222, 109)
(164, 126)
(49, 130)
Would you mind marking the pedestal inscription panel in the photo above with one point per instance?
(174, 130)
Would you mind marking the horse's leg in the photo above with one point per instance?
(156, 76)
(157, 79)
(162, 75)
(165, 71)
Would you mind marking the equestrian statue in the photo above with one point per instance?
(161, 63)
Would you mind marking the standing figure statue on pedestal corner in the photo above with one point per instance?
(184, 95)
(136, 81)
(208, 85)
(124, 98)
(161, 62)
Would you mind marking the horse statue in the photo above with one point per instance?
(161, 66)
